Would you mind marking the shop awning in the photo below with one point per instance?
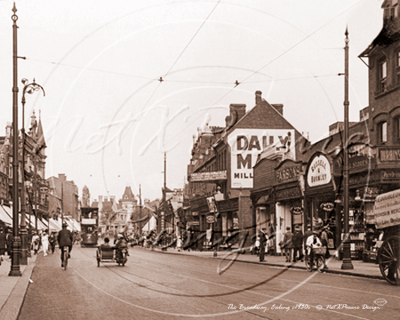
(5, 217)
(54, 225)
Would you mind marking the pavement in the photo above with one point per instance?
(13, 289)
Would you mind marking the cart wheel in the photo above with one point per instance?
(320, 263)
(388, 259)
(308, 265)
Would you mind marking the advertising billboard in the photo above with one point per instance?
(246, 145)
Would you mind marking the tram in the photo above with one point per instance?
(89, 226)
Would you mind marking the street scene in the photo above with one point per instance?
(216, 159)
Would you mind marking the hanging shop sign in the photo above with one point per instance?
(387, 209)
(296, 210)
(247, 144)
(212, 206)
(319, 171)
(210, 219)
(328, 206)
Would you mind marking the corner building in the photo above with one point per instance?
(221, 170)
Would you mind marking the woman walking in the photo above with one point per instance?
(45, 242)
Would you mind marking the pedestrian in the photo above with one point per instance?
(297, 244)
(324, 242)
(45, 242)
(288, 244)
(3, 242)
(263, 241)
(35, 242)
(52, 241)
(307, 233)
(9, 241)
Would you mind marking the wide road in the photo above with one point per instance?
(157, 285)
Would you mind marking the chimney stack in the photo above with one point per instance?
(278, 107)
(258, 96)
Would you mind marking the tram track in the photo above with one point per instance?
(209, 297)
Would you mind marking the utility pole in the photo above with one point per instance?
(140, 209)
(346, 262)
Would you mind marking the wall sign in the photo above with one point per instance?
(247, 144)
(319, 171)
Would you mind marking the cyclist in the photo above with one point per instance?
(64, 239)
(312, 242)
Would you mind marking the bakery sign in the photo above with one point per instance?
(319, 171)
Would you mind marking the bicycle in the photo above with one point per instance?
(65, 257)
(319, 259)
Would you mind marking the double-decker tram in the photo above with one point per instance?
(89, 226)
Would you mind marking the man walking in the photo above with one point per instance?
(263, 241)
(297, 244)
(288, 244)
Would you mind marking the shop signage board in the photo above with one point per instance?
(387, 209)
(288, 172)
(247, 144)
(389, 154)
(289, 193)
(208, 176)
(319, 171)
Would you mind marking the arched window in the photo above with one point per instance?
(382, 132)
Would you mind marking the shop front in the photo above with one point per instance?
(288, 189)
(320, 195)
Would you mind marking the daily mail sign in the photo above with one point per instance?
(246, 145)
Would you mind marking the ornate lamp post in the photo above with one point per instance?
(16, 243)
(28, 88)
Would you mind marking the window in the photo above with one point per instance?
(382, 85)
(396, 129)
(397, 59)
(382, 132)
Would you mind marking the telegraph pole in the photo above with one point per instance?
(346, 262)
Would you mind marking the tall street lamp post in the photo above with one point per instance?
(28, 88)
(16, 243)
(346, 262)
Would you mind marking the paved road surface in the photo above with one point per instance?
(156, 285)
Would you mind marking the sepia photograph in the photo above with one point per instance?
(199, 159)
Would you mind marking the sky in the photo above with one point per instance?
(107, 117)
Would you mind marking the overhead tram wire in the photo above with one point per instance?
(273, 60)
(184, 81)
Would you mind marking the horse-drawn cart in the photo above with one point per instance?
(387, 219)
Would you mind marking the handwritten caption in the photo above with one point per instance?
(301, 306)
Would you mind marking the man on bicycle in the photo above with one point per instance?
(312, 242)
(64, 239)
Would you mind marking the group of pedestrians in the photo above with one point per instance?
(293, 243)
(43, 240)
